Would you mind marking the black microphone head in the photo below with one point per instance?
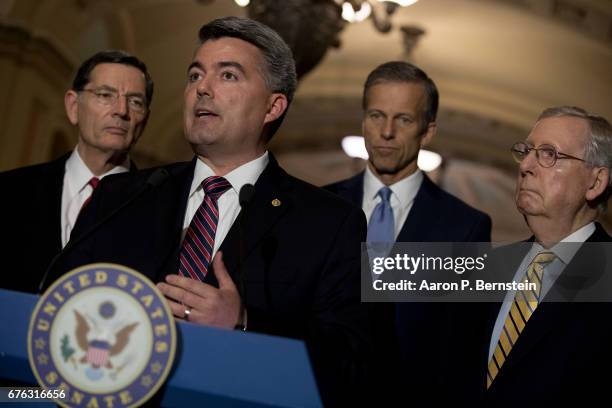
(247, 192)
(157, 177)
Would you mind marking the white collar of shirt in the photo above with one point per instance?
(402, 197)
(565, 253)
(76, 189)
(78, 174)
(404, 190)
(228, 204)
(562, 250)
(248, 173)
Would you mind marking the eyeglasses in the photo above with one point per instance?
(546, 155)
(109, 97)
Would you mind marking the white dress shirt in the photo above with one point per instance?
(552, 271)
(402, 196)
(76, 190)
(229, 206)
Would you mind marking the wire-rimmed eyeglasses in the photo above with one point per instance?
(546, 155)
(109, 97)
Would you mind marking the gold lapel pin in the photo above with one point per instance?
(276, 202)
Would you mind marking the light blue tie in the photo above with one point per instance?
(381, 229)
(382, 225)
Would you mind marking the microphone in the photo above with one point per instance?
(247, 192)
(155, 179)
(245, 197)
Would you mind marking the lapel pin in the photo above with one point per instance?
(276, 202)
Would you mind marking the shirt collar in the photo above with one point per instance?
(78, 174)
(566, 252)
(404, 190)
(247, 173)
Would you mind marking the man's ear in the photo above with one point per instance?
(600, 180)
(72, 106)
(429, 133)
(276, 107)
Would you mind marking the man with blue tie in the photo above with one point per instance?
(538, 349)
(401, 203)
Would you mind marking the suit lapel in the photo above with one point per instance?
(550, 316)
(271, 201)
(352, 189)
(170, 210)
(422, 215)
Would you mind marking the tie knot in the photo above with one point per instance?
(544, 258)
(215, 186)
(93, 182)
(385, 194)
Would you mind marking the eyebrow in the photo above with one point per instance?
(220, 64)
(110, 88)
(395, 115)
(194, 64)
(233, 64)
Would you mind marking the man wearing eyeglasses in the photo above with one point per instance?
(540, 351)
(109, 104)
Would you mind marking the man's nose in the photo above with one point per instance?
(388, 131)
(529, 162)
(121, 107)
(204, 87)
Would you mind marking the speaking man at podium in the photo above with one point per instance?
(281, 258)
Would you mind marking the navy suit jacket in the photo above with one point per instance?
(30, 212)
(31, 221)
(435, 216)
(300, 259)
(418, 334)
(564, 352)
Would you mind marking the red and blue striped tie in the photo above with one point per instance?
(197, 248)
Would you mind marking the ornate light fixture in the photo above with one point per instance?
(311, 27)
(380, 11)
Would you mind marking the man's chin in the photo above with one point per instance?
(383, 168)
(527, 209)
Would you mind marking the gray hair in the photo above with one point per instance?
(598, 149)
(400, 71)
(279, 70)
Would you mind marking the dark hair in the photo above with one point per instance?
(399, 71)
(82, 77)
(279, 70)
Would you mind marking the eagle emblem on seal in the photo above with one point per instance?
(99, 350)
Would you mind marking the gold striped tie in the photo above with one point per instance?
(523, 306)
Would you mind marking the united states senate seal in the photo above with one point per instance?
(105, 335)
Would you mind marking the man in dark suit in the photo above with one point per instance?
(552, 346)
(402, 204)
(287, 263)
(400, 104)
(109, 103)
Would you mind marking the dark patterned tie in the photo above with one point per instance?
(197, 248)
(93, 182)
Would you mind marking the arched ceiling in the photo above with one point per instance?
(497, 63)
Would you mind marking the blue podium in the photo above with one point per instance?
(213, 367)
